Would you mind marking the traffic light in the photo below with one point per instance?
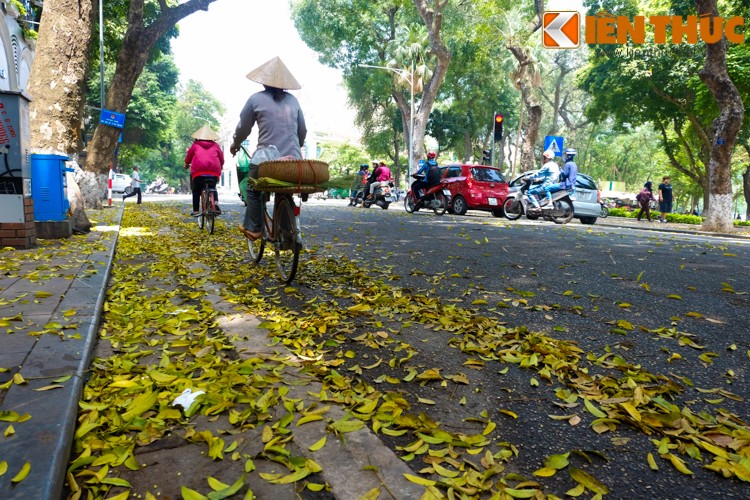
(498, 127)
(486, 157)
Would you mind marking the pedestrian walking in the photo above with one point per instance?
(644, 199)
(665, 198)
(135, 183)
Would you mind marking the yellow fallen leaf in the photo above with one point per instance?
(420, 480)
(652, 462)
(678, 463)
(22, 473)
(3, 467)
(49, 387)
(545, 472)
(587, 480)
(188, 494)
(318, 445)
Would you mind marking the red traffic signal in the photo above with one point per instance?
(498, 130)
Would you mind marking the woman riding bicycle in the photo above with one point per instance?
(205, 160)
(280, 123)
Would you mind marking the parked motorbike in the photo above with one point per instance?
(437, 198)
(159, 186)
(559, 210)
(382, 197)
(605, 210)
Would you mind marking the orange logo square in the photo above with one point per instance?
(561, 29)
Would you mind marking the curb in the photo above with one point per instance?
(45, 441)
(679, 230)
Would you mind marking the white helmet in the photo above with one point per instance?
(549, 154)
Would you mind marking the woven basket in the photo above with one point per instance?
(303, 188)
(300, 172)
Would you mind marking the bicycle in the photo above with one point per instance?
(208, 205)
(280, 230)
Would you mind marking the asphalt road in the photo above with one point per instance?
(577, 282)
(667, 312)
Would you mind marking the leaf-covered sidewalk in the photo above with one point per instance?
(349, 351)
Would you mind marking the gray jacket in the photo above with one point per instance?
(280, 123)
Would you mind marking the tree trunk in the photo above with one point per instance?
(726, 126)
(746, 182)
(57, 86)
(136, 48)
(433, 20)
(527, 82)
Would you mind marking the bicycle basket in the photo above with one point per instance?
(299, 172)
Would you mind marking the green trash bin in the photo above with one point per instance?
(243, 169)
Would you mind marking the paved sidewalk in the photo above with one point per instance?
(50, 301)
(50, 304)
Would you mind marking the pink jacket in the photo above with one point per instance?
(204, 158)
(384, 174)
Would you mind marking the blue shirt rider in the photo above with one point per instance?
(548, 175)
(424, 179)
(567, 176)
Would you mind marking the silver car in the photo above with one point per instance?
(586, 206)
(122, 183)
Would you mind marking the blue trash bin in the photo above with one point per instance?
(49, 188)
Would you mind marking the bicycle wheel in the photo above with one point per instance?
(210, 213)
(202, 216)
(286, 239)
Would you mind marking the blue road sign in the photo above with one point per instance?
(112, 118)
(555, 143)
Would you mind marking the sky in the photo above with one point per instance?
(220, 46)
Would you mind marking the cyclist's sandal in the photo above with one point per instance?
(248, 234)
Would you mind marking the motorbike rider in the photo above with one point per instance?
(382, 178)
(427, 175)
(567, 176)
(359, 181)
(548, 175)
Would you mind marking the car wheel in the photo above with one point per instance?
(498, 212)
(459, 205)
(128, 190)
(588, 220)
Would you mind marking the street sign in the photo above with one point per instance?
(112, 118)
(555, 143)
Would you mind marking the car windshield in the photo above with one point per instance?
(487, 174)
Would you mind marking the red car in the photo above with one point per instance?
(476, 187)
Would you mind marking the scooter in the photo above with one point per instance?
(437, 198)
(559, 210)
(159, 186)
(382, 197)
(605, 209)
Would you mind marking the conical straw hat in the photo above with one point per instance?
(205, 134)
(274, 74)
